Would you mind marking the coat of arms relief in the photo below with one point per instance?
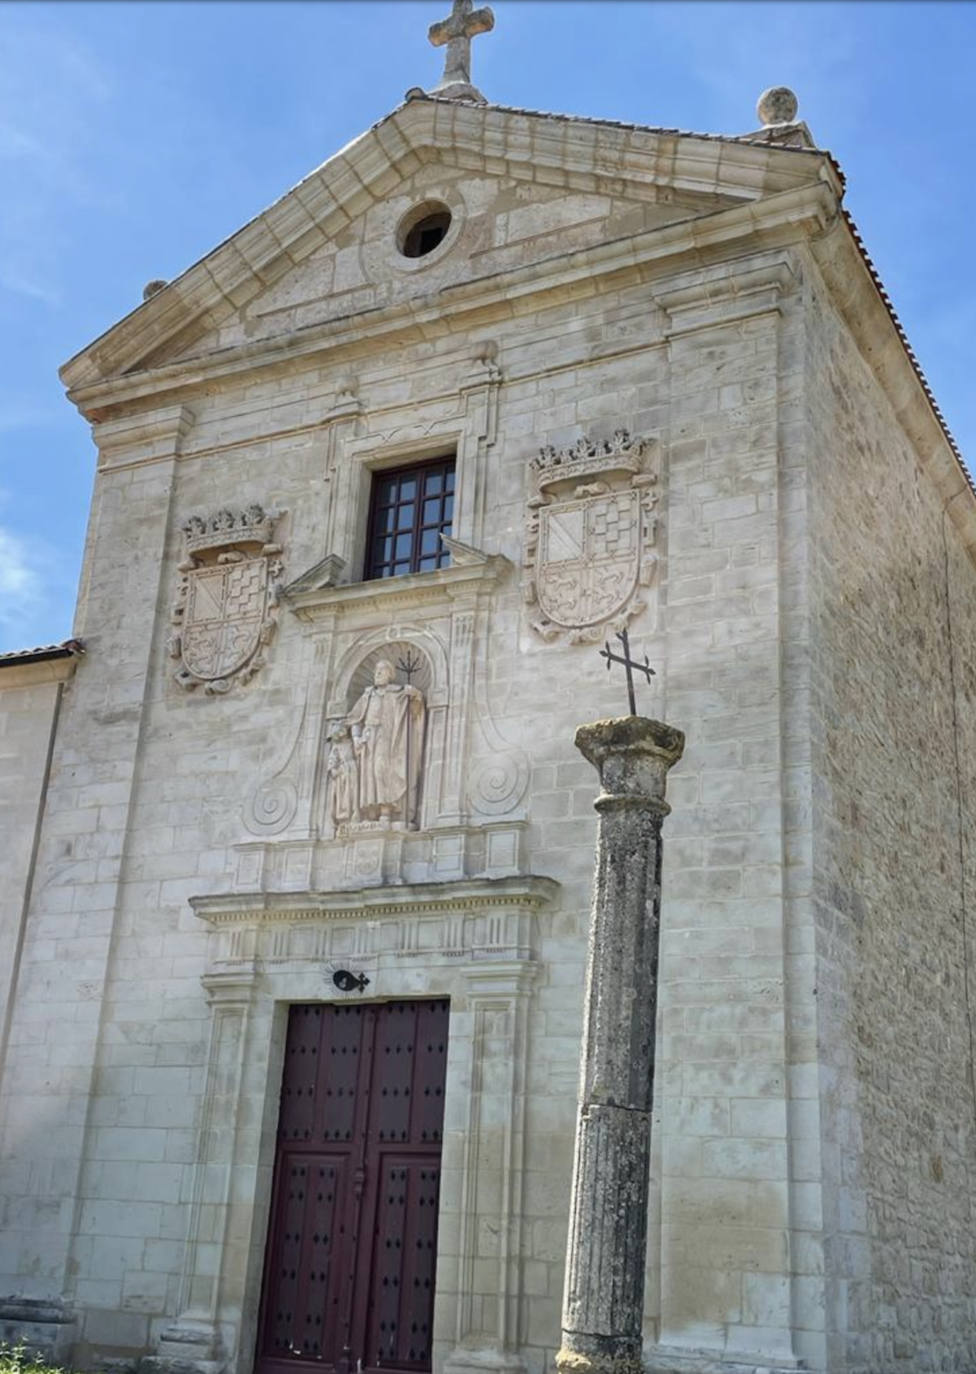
(226, 605)
(591, 534)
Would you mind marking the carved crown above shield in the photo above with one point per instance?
(227, 603)
(591, 533)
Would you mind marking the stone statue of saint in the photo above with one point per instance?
(341, 768)
(387, 728)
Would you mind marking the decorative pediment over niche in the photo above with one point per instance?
(227, 599)
(327, 572)
(319, 591)
(397, 768)
(591, 532)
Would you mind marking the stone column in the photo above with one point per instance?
(603, 1300)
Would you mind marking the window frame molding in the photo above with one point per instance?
(378, 474)
(462, 421)
(357, 461)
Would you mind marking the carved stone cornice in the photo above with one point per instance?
(723, 295)
(371, 904)
(786, 216)
(471, 571)
(136, 439)
(642, 162)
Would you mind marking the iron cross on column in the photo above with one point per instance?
(629, 663)
(457, 31)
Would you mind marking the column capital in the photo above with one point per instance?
(632, 754)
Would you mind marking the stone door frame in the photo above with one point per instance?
(473, 942)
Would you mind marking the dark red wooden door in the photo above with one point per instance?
(352, 1241)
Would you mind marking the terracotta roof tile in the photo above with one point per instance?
(916, 365)
(761, 137)
(69, 649)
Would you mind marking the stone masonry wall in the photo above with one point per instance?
(28, 708)
(894, 728)
(739, 1240)
(116, 1109)
(72, 927)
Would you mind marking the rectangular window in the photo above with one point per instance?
(411, 508)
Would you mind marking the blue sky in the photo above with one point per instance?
(135, 137)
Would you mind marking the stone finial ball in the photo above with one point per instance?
(152, 288)
(778, 105)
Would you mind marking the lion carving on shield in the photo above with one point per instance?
(591, 534)
(226, 606)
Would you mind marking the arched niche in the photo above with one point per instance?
(417, 657)
(410, 664)
(354, 670)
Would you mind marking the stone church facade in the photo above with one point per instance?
(296, 830)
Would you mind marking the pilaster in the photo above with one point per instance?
(733, 1269)
(194, 1340)
(70, 926)
(479, 391)
(490, 1220)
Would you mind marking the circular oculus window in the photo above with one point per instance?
(423, 229)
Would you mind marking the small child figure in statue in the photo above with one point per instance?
(341, 769)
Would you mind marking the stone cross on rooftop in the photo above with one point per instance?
(457, 31)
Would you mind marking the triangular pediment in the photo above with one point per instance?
(327, 572)
(523, 190)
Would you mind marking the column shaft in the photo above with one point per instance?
(606, 1253)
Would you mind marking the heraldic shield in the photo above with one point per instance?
(589, 558)
(590, 535)
(227, 603)
(224, 617)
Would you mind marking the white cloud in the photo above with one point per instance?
(20, 284)
(18, 578)
(16, 143)
(32, 607)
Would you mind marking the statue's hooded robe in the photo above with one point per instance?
(390, 721)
